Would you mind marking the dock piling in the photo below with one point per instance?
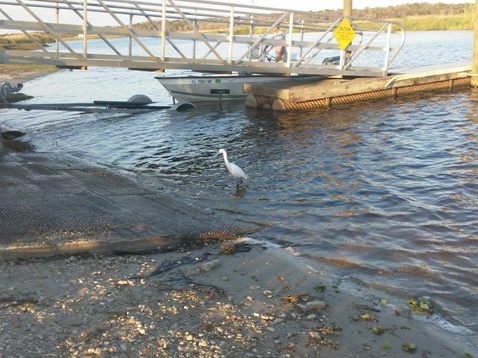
(474, 67)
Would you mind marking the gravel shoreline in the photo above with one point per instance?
(218, 300)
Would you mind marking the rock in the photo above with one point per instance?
(314, 335)
(403, 311)
(11, 135)
(312, 306)
(203, 267)
(267, 317)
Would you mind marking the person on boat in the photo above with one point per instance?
(281, 52)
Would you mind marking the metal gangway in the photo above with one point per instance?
(206, 36)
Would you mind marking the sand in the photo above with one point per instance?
(16, 74)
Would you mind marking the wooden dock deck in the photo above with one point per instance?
(322, 92)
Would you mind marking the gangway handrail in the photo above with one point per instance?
(157, 40)
(319, 40)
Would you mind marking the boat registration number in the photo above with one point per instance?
(205, 81)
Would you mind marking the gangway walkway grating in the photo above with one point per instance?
(206, 36)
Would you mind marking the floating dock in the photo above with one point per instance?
(324, 92)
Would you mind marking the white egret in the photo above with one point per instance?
(233, 169)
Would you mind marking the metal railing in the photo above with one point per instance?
(207, 36)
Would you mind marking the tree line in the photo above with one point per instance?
(411, 9)
(438, 16)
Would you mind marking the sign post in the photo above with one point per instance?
(347, 8)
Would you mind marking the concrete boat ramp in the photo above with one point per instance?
(55, 205)
(323, 92)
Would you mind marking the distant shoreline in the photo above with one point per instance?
(23, 73)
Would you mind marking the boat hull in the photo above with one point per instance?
(211, 88)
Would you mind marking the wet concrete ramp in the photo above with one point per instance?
(53, 204)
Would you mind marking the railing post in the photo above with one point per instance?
(301, 35)
(85, 34)
(251, 34)
(387, 53)
(57, 45)
(231, 35)
(163, 32)
(1, 140)
(291, 32)
(130, 39)
(195, 25)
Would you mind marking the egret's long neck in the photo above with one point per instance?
(224, 154)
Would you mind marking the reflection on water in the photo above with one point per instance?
(384, 192)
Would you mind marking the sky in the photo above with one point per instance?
(315, 5)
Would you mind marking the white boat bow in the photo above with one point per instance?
(201, 87)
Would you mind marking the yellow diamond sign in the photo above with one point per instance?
(344, 34)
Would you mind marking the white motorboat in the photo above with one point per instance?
(201, 87)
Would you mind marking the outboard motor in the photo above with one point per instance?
(6, 89)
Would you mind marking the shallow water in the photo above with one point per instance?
(384, 193)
